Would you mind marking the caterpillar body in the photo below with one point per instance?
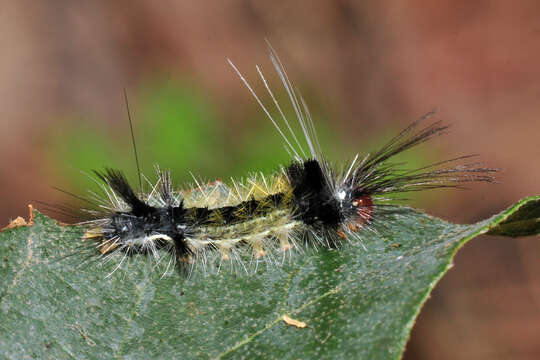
(309, 202)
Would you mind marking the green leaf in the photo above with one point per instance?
(356, 302)
(524, 221)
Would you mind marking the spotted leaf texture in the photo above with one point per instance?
(358, 301)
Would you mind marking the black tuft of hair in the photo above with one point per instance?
(375, 176)
(315, 202)
(118, 182)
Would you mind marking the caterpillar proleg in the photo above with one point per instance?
(308, 202)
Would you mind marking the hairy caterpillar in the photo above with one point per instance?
(307, 202)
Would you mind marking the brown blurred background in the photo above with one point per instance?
(365, 68)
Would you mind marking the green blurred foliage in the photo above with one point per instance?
(178, 128)
(174, 126)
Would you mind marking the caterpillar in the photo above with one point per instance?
(308, 202)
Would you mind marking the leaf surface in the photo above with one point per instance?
(358, 301)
